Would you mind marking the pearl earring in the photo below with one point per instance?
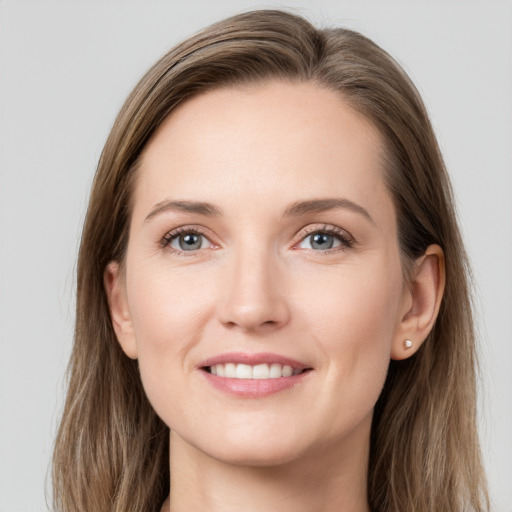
(407, 344)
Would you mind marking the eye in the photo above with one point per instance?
(189, 242)
(325, 239)
(319, 241)
(186, 240)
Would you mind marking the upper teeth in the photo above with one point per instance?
(259, 371)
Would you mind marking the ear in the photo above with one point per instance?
(114, 283)
(420, 304)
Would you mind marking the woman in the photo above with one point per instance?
(272, 307)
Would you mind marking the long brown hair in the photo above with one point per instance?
(111, 452)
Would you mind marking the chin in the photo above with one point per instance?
(255, 455)
(258, 447)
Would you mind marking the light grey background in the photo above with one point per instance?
(66, 67)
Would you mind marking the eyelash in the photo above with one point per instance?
(346, 240)
(176, 233)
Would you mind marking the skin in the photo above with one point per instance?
(257, 284)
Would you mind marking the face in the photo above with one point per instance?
(263, 288)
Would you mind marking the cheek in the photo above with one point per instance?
(354, 326)
(169, 313)
(168, 306)
(357, 310)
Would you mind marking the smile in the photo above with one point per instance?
(259, 371)
(253, 375)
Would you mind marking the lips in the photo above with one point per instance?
(253, 375)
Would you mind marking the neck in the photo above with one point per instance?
(333, 480)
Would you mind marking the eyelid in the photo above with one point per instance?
(171, 235)
(347, 240)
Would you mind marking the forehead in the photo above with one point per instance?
(275, 140)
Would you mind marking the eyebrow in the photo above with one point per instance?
(323, 205)
(200, 208)
(294, 210)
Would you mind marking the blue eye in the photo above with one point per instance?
(324, 240)
(186, 241)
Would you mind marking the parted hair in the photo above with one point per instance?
(112, 450)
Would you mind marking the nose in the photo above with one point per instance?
(254, 298)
